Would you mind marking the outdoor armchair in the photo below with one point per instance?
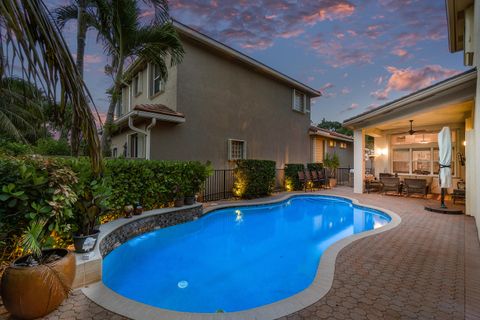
(416, 186)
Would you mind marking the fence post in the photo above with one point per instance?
(224, 184)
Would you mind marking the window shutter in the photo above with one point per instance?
(140, 82)
(244, 156)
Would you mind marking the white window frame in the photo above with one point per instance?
(432, 160)
(152, 79)
(294, 105)
(140, 146)
(137, 84)
(230, 150)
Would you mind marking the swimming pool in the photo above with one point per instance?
(235, 258)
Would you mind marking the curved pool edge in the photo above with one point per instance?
(319, 287)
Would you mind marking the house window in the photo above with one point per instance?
(421, 161)
(156, 81)
(115, 152)
(136, 146)
(237, 149)
(299, 101)
(401, 161)
(343, 145)
(332, 143)
(137, 84)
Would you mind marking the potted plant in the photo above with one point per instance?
(194, 178)
(138, 210)
(36, 284)
(179, 196)
(331, 162)
(91, 204)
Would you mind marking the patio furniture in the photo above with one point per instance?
(459, 193)
(416, 186)
(318, 178)
(304, 180)
(391, 184)
(385, 175)
(373, 186)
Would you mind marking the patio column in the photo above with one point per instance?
(470, 168)
(358, 160)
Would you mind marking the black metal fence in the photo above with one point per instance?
(344, 178)
(220, 184)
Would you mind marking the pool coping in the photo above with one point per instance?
(319, 287)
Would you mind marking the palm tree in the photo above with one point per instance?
(33, 47)
(125, 37)
(21, 109)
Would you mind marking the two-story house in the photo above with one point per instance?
(218, 105)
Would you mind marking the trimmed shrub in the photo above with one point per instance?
(254, 178)
(11, 148)
(52, 147)
(291, 176)
(34, 189)
(315, 166)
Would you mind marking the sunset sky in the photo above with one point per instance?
(360, 54)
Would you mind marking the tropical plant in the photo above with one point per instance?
(32, 43)
(331, 162)
(52, 147)
(124, 37)
(254, 178)
(21, 106)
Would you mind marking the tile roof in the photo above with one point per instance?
(330, 133)
(158, 108)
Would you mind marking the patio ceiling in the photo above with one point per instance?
(451, 115)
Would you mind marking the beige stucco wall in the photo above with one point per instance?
(221, 100)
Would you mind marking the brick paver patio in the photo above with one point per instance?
(426, 268)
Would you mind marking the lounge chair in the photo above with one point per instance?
(322, 177)
(317, 181)
(391, 184)
(416, 186)
(304, 180)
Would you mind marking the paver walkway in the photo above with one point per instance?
(426, 268)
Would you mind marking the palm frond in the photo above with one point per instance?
(31, 238)
(66, 13)
(34, 43)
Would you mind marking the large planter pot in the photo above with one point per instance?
(179, 202)
(128, 210)
(85, 244)
(33, 292)
(189, 200)
(332, 182)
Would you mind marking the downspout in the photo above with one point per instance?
(144, 132)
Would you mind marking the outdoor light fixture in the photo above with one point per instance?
(464, 143)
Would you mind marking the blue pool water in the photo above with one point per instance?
(237, 258)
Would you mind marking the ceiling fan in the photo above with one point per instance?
(411, 131)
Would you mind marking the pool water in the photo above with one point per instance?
(237, 258)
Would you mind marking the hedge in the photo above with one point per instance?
(315, 166)
(254, 178)
(291, 176)
(48, 188)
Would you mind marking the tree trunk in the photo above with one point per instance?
(116, 93)
(81, 35)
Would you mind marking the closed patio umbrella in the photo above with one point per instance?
(445, 159)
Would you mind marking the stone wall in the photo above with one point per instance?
(147, 224)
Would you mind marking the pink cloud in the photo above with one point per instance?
(291, 34)
(337, 11)
(400, 52)
(352, 107)
(412, 79)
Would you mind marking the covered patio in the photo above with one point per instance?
(405, 133)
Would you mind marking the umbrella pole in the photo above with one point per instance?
(442, 199)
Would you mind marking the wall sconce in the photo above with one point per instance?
(464, 143)
(382, 152)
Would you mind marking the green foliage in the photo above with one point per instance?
(34, 189)
(52, 147)
(291, 176)
(335, 126)
(12, 148)
(254, 178)
(331, 162)
(315, 166)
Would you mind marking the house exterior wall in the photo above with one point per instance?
(472, 183)
(318, 145)
(344, 155)
(221, 99)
